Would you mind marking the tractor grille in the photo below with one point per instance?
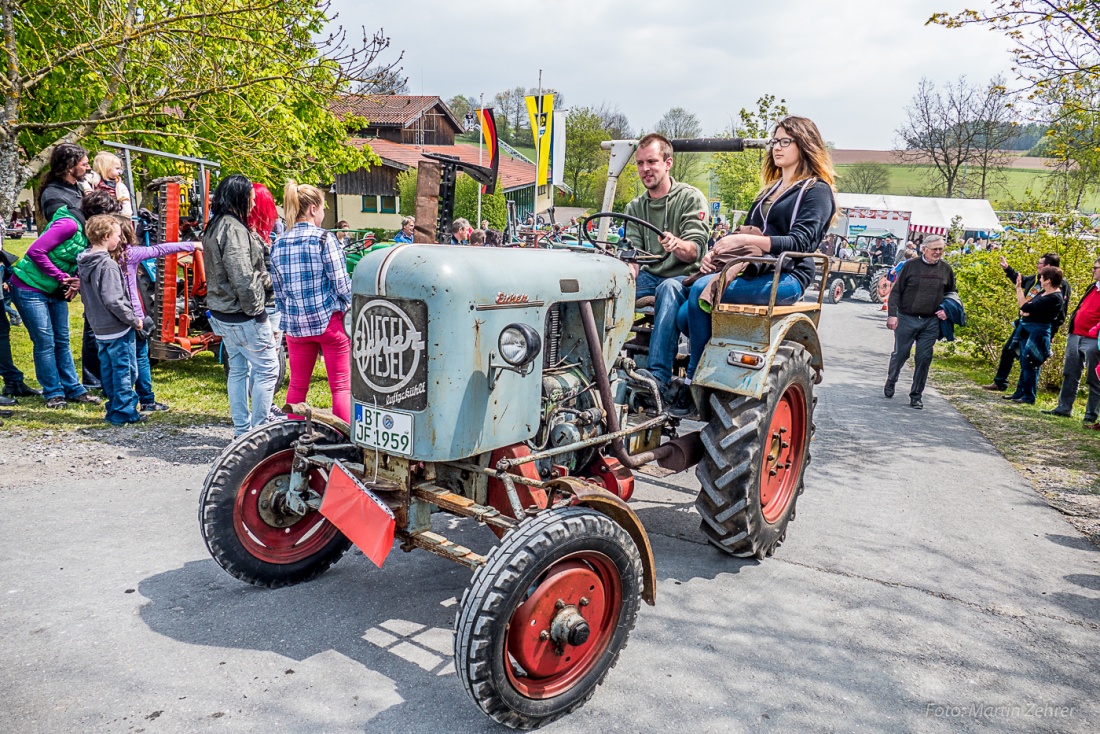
(552, 351)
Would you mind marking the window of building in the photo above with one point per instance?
(389, 205)
(370, 204)
(544, 190)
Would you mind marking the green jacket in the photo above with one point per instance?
(63, 256)
(683, 212)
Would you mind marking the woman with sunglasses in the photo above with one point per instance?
(791, 213)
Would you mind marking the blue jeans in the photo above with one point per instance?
(47, 322)
(144, 384)
(695, 322)
(665, 338)
(1034, 345)
(118, 372)
(253, 370)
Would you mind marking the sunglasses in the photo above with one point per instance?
(781, 142)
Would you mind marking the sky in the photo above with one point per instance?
(850, 65)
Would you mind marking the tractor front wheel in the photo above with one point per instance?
(545, 618)
(756, 452)
(879, 287)
(247, 530)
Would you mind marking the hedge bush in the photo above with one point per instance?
(990, 299)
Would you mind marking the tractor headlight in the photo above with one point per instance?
(519, 344)
(348, 322)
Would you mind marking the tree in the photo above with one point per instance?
(493, 207)
(584, 132)
(994, 128)
(615, 122)
(938, 132)
(1056, 44)
(737, 175)
(406, 189)
(679, 123)
(1074, 142)
(461, 105)
(865, 178)
(384, 80)
(245, 81)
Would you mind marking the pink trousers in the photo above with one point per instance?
(336, 348)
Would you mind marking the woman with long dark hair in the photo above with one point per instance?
(791, 213)
(236, 294)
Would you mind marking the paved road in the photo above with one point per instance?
(923, 586)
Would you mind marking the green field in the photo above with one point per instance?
(471, 139)
(914, 181)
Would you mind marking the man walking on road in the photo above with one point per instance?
(1082, 352)
(915, 314)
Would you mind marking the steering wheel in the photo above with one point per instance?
(624, 249)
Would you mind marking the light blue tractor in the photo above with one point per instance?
(491, 384)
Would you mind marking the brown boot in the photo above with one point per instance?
(994, 387)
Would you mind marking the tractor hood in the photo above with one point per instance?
(425, 328)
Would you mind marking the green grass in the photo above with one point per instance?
(912, 181)
(194, 388)
(472, 139)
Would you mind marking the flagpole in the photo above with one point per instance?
(480, 144)
(538, 145)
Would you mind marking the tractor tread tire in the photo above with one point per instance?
(217, 502)
(486, 609)
(872, 288)
(729, 500)
(830, 294)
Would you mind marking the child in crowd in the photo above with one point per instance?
(112, 318)
(131, 257)
(477, 238)
(107, 176)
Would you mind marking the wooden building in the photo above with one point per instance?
(401, 118)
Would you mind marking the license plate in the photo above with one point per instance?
(386, 430)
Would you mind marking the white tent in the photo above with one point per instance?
(929, 214)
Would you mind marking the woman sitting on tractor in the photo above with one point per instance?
(790, 214)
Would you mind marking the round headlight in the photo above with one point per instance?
(347, 322)
(519, 344)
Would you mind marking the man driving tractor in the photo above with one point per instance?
(679, 210)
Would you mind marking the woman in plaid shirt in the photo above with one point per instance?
(312, 292)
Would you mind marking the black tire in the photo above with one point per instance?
(221, 514)
(873, 287)
(512, 574)
(738, 443)
(836, 291)
(224, 359)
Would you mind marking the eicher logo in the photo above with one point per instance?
(388, 347)
(509, 298)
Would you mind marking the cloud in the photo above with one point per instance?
(851, 65)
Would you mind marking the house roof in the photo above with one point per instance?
(513, 173)
(390, 110)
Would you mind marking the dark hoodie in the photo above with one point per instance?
(106, 303)
(58, 194)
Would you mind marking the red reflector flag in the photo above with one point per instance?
(359, 514)
(489, 130)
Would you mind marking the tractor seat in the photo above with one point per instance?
(644, 302)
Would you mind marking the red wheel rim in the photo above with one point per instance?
(287, 544)
(782, 464)
(838, 291)
(884, 285)
(587, 582)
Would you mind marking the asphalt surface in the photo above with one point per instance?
(923, 587)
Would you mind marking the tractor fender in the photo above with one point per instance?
(320, 415)
(715, 372)
(599, 499)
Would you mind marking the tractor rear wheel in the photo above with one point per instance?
(755, 455)
(836, 290)
(879, 286)
(544, 619)
(239, 512)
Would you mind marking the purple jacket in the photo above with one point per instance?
(39, 252)
(136, 255)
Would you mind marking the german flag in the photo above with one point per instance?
(489, 130)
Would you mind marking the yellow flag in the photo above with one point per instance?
(541, 110)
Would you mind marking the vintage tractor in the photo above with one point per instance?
(490, 384)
